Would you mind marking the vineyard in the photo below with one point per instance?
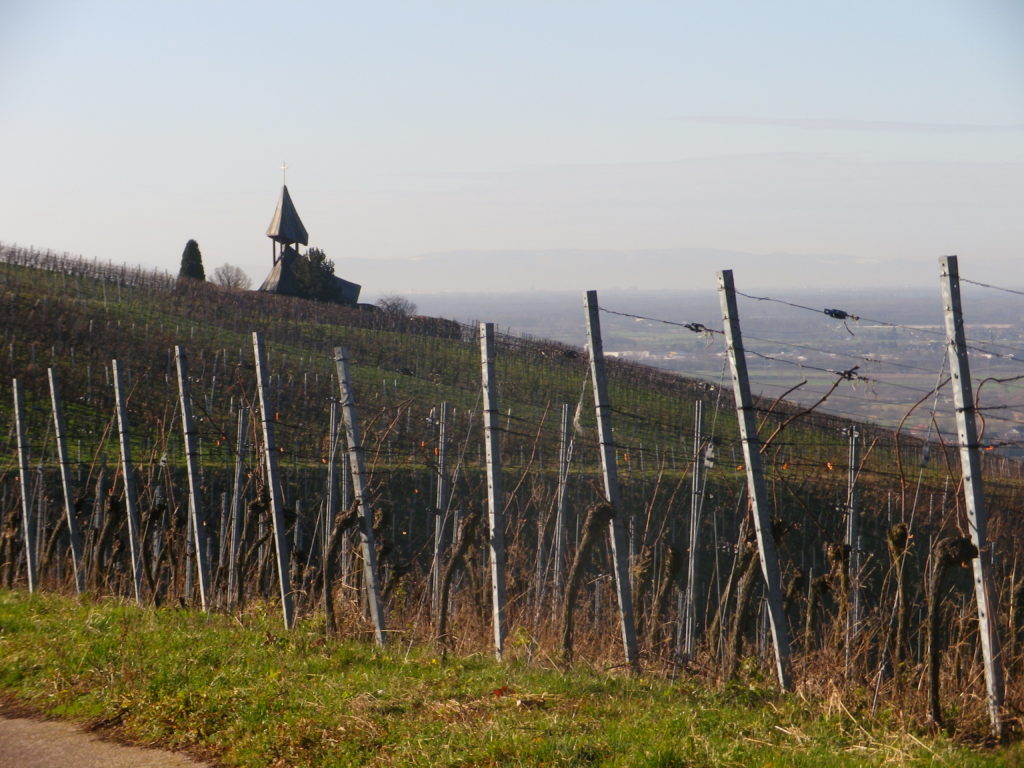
(271, 477)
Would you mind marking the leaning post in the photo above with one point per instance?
(617, 527)
(130, 492)
(195, 499)
(756, 489)
(26, 500)
(360, 486)
(67, 484)
(273, 482)
(974, 491)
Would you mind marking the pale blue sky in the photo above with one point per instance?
(880, 131)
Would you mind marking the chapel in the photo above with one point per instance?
(287, 233)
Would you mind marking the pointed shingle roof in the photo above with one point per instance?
(286, 226)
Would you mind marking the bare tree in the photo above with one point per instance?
(230, 276)
(394, 304)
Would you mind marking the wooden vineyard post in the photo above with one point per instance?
(617, 527)
(195, 498)
(696, 502)
(236, 507)
(273, 482)
(26, 493)
(67, 484)
(974, 492)
(495, 498)
(357, 462)
(756, 489)
(440, 507)
(130, 492)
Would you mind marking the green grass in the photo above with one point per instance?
(246, 692)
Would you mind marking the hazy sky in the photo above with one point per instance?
(883, 132)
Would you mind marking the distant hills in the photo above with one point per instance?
(678, 269)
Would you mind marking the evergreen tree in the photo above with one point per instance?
(314, 275)
(192, 262)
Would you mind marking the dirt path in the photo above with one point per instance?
(28, 743)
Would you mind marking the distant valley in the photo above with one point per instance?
(906, 351)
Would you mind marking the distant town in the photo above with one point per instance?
(900, 332)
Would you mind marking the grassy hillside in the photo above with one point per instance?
(244, 692)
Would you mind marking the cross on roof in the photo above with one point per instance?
(284, 172)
